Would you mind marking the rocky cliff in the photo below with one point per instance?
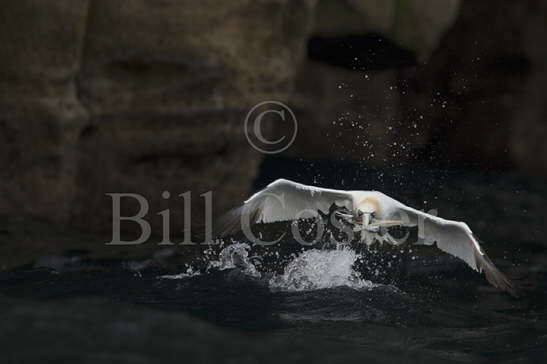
(102, 96)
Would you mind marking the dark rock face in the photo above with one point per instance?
(475, 84)
(109, 96)
(413, 25)
(41, 115)
(138, 96)
(477, 101)
(350, 99)
(530, 131)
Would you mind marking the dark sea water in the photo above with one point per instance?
(115, 313)
(241, 304)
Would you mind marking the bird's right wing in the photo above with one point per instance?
(282, 200)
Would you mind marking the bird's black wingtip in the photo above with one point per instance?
(499, 279)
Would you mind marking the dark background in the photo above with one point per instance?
(141, 97)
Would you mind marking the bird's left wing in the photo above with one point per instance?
(282, 200)
(455, 238)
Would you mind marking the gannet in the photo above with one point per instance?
(368, 212)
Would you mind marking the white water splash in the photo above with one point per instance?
(235, 256)
(311, 270)
(320, 269)
(190, 272)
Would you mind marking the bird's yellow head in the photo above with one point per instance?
(369, 205)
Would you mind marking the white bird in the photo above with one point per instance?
(369, 212)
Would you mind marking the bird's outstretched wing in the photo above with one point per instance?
(457, 239)
(282, 200)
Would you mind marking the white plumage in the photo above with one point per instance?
(285, 200)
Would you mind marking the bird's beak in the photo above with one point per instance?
(347, 217)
